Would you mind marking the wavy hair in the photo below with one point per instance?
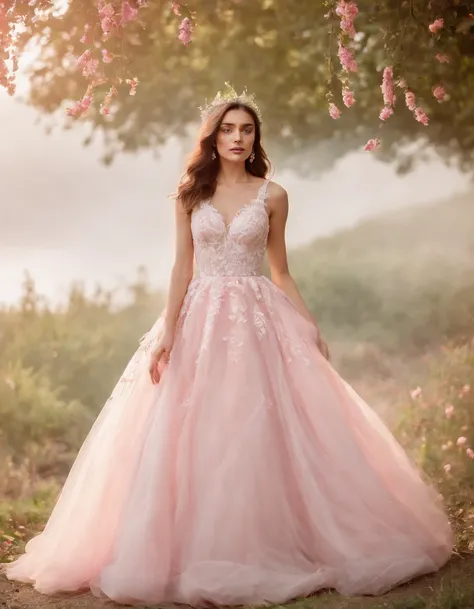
(200, 178)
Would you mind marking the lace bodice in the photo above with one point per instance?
(232, 250)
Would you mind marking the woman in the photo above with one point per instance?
(232, 464)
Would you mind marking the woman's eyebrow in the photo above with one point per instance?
(233, 124)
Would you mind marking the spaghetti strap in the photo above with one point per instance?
(263, 191)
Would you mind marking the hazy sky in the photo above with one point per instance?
(65, 217)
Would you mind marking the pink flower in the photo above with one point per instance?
(346, 58)
(461, 441)
(104, 107)
(176, 8)
(449, 410)
(347, 26)
(133, 82)
(347, 10)
(415, 393)
(106, 10)
(387, 86)
(348, 97)
(334, 111)
(129, 13)
(470, 453)
(90, 68)
(84, 38)
(372, 144)
(421, 116)
(402, 83)
(410, 100)
(84, 58)
(442, 58)
(384, 115)
(80, 106)
(185, 31)
(439, 93)
(447, 467)
(86, 102)
(107, 24)
(107, 56)
(436, 26)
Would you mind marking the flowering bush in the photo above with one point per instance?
(437, 426)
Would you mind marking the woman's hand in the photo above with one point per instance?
(160, 356)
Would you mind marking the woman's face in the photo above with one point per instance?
(236, 136)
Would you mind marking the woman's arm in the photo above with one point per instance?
(182, 271)
(277, 257)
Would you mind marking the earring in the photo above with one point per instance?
(252, 157)
(213, 155)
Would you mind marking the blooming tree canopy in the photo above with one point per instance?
(374, 74)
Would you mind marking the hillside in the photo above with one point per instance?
(425, 235)
(403, 280)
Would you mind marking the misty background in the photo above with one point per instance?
(65, 216)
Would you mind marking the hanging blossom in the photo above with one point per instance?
(129, 13)
(107, 56)
(372, 144)
(439, 93)
(105, 105)
(436, 26)
(410, 100)
(111, 20)
(346, 58)
(81, 106)
(347, 11)
(185, 31)
(84, 39)
(133, 83)
(386, 113)
(421, 116)
(334, 111)
(107, 17)
(348, 97)
(387, 86)
(176, 8)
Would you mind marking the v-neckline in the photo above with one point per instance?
(238, 212)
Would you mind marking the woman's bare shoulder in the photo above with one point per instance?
(277, 195)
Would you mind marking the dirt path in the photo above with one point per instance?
(451, 588)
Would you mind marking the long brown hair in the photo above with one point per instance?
(200, 178)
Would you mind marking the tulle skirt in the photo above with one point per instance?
(251, 473)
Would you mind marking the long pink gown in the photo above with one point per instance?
(251, 473)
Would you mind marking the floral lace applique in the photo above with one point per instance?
(234, 250)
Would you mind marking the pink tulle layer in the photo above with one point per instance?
(251, 473)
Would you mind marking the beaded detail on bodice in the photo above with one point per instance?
(232, 250)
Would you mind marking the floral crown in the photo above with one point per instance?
(230, 95)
